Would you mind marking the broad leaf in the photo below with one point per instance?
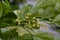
(46, 36)
(57, 18)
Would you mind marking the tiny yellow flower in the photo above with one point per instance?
(22, 34)
(29, 22)
(17, 20)
(38, 25)
(33, 20)
(18, 23)
(34, 25)
(27, 17)
(34, 17)
(28, 14)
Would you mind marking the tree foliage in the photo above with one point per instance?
(20, 24)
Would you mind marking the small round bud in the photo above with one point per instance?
(29, 22)
(34, 17)
(27, 17)
(38, 25)
(28, 14)
(22, 34)
(33, 20)
(34, 25)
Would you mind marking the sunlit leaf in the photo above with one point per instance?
(57, 18)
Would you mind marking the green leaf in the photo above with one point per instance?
(36, 38)
(21, 31)
(8, 19)
(1, 9)
(25, 9)
(26, 37)
(57, 7)
(6, 7)
(57, 18)
(9, 35)
(6, 3)
(46, 36)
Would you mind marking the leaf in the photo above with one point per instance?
(57, 18)
(6, 7)
(25, 9)
(57, 7)
(45, 36)
(8, 19)
(21, 31)
(1, 9)
(26, 37)
(9, 35)
(36, 38)
(6, 3)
